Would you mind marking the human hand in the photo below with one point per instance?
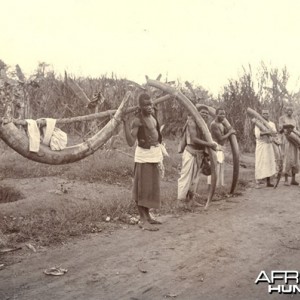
(232, 131)
(125, 118)
(213, 145)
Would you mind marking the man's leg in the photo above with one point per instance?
(218, 174)
(269, 184)
(149, 218)
(144, 224)
(186, 174)
(286, 182)
(193, 190)
(293, 181)
(142, 213)
(208, 182)
(222, 168)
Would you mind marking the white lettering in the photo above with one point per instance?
(296, 289)
(272, 289)
(292, 275)
(264, 279)
(282, 289)
(277, 275)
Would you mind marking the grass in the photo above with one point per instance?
(107, 178)
(9, 194)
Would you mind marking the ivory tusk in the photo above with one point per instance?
(183, 100)
(18, 141)
(234, 150)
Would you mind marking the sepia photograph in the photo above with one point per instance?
(149, 150)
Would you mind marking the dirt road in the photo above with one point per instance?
(201, 255)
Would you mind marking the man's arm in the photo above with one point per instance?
(131, 134)
(195, 140)
(217, 134)
(269, 132)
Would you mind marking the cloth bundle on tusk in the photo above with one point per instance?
(18, 141)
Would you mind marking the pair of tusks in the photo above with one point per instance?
(264, 126)
(190, 107)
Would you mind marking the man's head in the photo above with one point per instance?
(203, 112)
(289, 110)
(265, 114)
(220, 114)
(145, 104)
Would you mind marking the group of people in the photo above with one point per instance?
(195, 154)
(267, 161)
(149, 154)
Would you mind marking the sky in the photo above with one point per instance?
(206, 42)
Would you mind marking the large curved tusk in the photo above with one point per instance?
(183, 100)
(251, 112)
(18, 141)
(235, 150)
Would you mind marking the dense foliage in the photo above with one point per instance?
(45, 94)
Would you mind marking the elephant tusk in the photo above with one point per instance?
(263, 125)
(190, 107)
(234, 150)
(18, 141)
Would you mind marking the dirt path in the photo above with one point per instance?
(202, 255)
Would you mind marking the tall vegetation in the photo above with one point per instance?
(267, 89)
(46, 94)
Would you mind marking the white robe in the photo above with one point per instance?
(265, 164)
(220, 167)
(189, 175)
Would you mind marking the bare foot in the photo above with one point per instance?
(196, 204)
(153, 221)
(147, 226)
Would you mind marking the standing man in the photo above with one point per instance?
(148, 157)
(220, 136)
(265, 161)
(192, 158)
(290, 152)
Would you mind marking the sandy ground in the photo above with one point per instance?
(214, 254)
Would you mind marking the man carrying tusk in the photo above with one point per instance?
(148, 160)
(265, 160)
(192, 158)
(219, 135)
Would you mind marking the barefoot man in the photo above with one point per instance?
(265, 162)
(192, 158)
(220, 136)
(148, 158)
(290, 152)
